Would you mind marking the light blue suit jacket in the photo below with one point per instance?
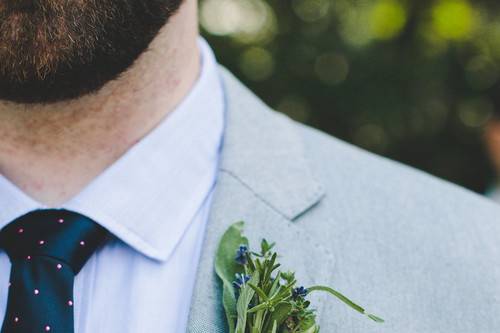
(420, 252)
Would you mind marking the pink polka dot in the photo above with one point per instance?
(70, 303)
(16, 319)
(59, 266)
(60, 220)
(28, 257)
(82, 243)
(36, 291)
(41, 242)
(20, 231)
(47, 328)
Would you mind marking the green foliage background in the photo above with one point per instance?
(411, 80)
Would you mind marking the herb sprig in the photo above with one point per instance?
(258, 297)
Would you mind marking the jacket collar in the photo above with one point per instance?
(264, 180)
(263, 150)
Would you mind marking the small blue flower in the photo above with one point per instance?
(299, 292)
(240, 280)
(241, 255)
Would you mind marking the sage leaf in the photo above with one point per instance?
(246, 295)
(226, 268)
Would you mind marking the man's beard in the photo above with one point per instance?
(54, 50)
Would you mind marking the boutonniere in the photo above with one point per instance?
(258, 297)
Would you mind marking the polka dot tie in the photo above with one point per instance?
(47, 248)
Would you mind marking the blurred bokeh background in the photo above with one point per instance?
(409, 79)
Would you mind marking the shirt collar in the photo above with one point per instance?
(151, 194)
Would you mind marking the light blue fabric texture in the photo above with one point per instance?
(420, 252)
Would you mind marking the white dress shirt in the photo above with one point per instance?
(155, 200)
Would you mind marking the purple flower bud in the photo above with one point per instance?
(240, 280)
(241, 255)
(299, 292)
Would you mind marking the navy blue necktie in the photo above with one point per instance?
(47, 248)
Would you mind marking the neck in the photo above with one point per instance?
(52, 151)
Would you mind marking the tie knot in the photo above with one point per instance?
(64, 235)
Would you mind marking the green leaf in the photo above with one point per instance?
(226, 267)
(274, 287)
(265, 246)
(312, 329)
(346, 301)
(270, 267)
(246, 295)
(375, 318)
(275, 327)
(279, 315)
(259, 292)
(288, 276)
(261, 306)
(308, 323)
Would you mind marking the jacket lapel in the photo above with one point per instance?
(264, 180)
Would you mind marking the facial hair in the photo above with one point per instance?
(55, 50)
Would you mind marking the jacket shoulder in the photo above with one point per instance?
(423, 252)
(344, 166)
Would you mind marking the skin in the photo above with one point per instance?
(492, 140)
(52, 151)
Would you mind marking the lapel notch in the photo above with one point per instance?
(264, 151)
